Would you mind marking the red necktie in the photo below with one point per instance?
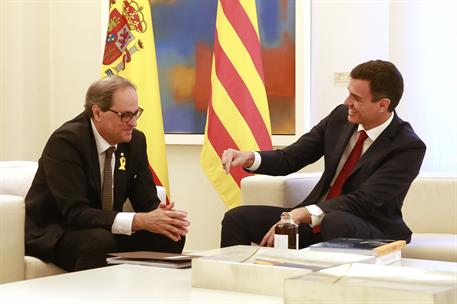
(349, 165)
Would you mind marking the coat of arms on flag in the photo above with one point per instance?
(120, 38)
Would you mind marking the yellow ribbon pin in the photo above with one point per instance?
(123, 162)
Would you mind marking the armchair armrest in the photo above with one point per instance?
(161, 194)
(280, 191)
(12, 217)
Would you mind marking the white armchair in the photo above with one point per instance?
(283, 191)
(429, 209)
(15, 180)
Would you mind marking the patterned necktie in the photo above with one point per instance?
(349, 165)
(107, 189)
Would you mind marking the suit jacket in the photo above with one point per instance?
(375, 189)
(66, 191)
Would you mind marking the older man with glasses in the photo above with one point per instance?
(89, 167)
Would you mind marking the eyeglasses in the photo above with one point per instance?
(128, 116)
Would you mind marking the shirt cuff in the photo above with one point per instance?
(123, 223)
(316, 215)
(256, 163)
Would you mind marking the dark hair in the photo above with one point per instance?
(101, 92)
(385, 80)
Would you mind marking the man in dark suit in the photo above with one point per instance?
(361, 200)
(74, 207)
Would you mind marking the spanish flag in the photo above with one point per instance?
(238, 115)
(130, 53)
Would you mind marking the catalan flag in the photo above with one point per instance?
(238, 114)
(130, 53)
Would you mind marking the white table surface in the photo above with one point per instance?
(428, 265)
(143, 284)
(122, 284)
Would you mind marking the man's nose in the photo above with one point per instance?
(132, 122)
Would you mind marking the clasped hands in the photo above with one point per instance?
(233, 158)
(163, 220)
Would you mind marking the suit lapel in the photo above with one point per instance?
(96, 170)
(346, 131)
(121, 168)
(380, 144)
(94, 163)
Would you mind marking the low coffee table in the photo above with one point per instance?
(143, 284)
(122, 284)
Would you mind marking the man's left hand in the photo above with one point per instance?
(301, 216)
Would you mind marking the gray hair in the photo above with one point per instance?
(101, 92)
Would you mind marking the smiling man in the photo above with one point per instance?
(371, 157)
(89, 167)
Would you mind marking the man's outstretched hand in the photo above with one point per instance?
(233, 158)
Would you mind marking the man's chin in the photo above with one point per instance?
(126, 138)
(352, 119)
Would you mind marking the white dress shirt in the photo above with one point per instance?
(123, 221)
(316, 213)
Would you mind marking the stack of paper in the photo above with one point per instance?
(150, 258)
(368, 283)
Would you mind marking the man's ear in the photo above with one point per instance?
(384, 104)
(96, 111)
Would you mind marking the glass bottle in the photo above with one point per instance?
(286, 232)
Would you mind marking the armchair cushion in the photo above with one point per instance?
(431, 205)
(36, 268)
(432, 246)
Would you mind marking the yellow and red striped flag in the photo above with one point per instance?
(238, 115)
(130, 53)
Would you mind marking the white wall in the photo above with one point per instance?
(344, 34)
(75, 55)
(51, 50)
(25, 92)
(423, 43)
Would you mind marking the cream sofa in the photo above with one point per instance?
(15, 180)
(430, 208)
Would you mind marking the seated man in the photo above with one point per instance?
(371, 157)
(89, 167)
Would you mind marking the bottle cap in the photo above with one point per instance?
(286, 216)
